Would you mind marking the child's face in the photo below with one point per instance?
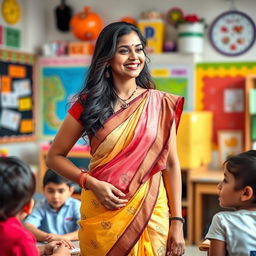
(228, 196)
(57, 194)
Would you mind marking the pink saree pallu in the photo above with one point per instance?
(130, 152)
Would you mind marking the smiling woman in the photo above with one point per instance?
(134, 182)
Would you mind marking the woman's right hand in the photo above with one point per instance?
(108, 195)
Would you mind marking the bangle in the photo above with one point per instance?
(177, 218)
(81, 181)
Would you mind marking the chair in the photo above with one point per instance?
(205, 245)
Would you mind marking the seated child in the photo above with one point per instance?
(17, 186)
(234, 232)
(55, 217)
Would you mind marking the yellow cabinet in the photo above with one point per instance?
(194, 139)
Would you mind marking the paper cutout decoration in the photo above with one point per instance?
(25, 104)
(233, 100)
(252, 102)
(17, 71)
(26, 126)
(253, 128)
(12, 37)
(10, 119)
(5, 84)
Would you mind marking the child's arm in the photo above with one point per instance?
(217, 247)
(39, 234)
(68, 236)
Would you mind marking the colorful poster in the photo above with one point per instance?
(16, 96)
(216, 84)
(12, 37)
(60, 81)
(176, 79)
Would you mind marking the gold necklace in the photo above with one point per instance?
(124, 103)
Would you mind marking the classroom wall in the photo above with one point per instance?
(113, 10)
(38, 26)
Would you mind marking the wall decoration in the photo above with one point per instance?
(252, 101)
(232, 33)
(12, 37)
(60, 79)
(176, 79)
(212, 81)
(233, 100)
(230, 143)
(63, 14)
(86, 25)
(17, 117)
(1, 35)
(11, 11)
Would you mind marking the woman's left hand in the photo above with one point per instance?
(176, 242)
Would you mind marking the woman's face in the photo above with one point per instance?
(129, 58)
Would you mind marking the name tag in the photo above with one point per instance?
(70, 218)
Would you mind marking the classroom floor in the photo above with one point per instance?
(194, 251)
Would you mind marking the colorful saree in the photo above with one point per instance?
(130, 152)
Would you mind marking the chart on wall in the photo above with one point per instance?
(17, 117)
(220, 88)
(61, 79)
(175, 79)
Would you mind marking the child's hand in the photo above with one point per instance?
(51, 247)
(62, 250)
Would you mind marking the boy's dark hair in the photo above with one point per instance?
(52, 176)
(243, 167)
(17, 186)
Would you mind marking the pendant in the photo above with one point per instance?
(125, 105)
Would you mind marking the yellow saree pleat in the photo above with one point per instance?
(117, 140)
(101, 228)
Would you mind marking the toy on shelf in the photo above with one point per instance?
(3, 152)
(173, 15)
(190, 30)
(152, 27)
(86, 25)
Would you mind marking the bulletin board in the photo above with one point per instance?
(17, 116)
(175, 79)
(220, 88)
(60, 79)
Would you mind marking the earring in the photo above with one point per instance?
(107, 74)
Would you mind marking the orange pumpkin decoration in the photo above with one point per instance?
(86, 25)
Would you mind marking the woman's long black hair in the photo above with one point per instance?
(98, 97)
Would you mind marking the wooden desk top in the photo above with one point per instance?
(203, 175)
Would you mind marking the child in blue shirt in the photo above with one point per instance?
(55, 217)
(17, 186)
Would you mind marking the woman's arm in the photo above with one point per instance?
(217, 247)
(172, 182)
(68, 134)
(70, 131)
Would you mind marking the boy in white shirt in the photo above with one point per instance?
(234, 232)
